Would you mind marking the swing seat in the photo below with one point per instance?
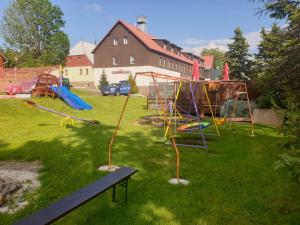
(192, 126)
(220, 121)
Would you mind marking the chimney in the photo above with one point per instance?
(141, 23)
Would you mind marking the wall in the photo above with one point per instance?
(73, 73)
(114, 75)
(106, 51)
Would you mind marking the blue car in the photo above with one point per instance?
(121, 88)
(111, 89)
(124, 87)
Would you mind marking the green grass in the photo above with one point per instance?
(233, 184)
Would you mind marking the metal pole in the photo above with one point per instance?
(177, 159)
(211, 111)
(249, 106)
(197, 113)
(118, 125)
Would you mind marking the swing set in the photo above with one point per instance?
(170, 119)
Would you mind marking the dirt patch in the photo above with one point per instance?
(17, 180)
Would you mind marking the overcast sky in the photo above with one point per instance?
(191, 24)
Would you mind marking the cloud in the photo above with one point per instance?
(197, 45)
(95, 7)
(253, 39)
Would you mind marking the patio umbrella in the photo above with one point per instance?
(196, 74)
(225, 72)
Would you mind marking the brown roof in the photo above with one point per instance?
(148, 41)
(77, 61)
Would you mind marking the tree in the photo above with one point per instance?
(32, 28)
(268, 53)
(103, 81)
(219, 57)
(282, 71)
(134, 88)
(238, 56)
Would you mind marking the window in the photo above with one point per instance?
(175, 66)
(114, 60)
(165, 47)
(80, 71)
(164, 63)
(86, 71)
(131, 60)
(115, 41)
(66, 72)
(172, 50)
(160, 61)
(125, 40)
(169, 63)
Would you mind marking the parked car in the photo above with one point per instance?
(124, 87)
(121, 88)
(111, 89)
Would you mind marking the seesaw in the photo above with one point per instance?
(68, 119)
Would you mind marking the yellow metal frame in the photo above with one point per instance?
(67, 121)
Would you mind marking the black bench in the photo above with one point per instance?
(69, 203)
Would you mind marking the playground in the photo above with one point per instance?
(234, 182)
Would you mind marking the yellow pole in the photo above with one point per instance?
(211, 111)
(118, 125)
(173, 107)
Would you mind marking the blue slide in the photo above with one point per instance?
(70, 98)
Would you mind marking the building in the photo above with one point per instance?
(127, 49)
(209, 71)
(79, 65)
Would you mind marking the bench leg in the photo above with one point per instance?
(124, 184)
(114, 194)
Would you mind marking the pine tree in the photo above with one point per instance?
(103, 81)
(238, 56)
(134, 88)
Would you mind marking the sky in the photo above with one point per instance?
(191, 24)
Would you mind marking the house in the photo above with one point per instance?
(79, 65)
(209, 71)
(127, 49)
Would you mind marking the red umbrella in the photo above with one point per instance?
(196, 74)
(225, 72)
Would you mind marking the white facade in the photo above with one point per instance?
(116, 74)
(79, 74)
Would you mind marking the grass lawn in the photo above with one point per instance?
(233, 184)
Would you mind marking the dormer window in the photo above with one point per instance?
(115, 41)
(125, 40)
(172, 50)
(165, 47)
